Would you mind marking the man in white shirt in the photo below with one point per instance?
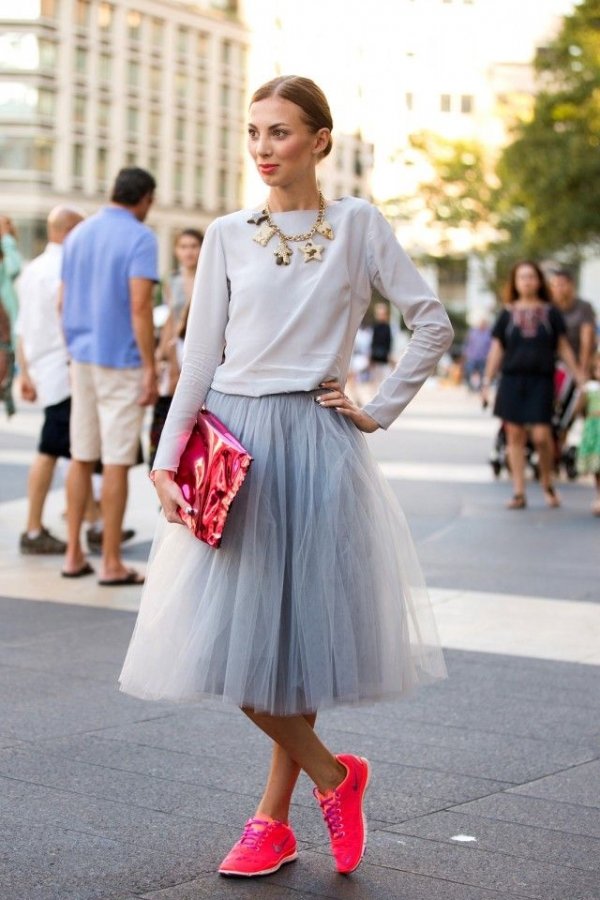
(44, 365)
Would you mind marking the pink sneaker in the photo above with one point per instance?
(262, 849)
(344, 816)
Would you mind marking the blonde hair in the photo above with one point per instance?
(305, 94)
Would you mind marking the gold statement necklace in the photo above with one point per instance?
(283, 253)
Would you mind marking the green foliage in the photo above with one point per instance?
(460, 192)
(550, 174)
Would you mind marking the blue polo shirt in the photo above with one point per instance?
(100, 256)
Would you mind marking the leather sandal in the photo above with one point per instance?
(551, 497)
(518, 501)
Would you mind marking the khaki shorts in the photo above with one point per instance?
(106, 419)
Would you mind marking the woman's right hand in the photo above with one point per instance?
(169, 494)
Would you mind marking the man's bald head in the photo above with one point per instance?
(60, 222)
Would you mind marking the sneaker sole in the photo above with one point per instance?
(364, 821)
(232, 873)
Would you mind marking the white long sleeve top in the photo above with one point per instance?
(258, 328)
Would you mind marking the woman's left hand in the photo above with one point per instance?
(334, 397)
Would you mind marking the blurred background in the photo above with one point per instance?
(474, 124)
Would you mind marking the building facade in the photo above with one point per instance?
(88, 86)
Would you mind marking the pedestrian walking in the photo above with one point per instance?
(315, 597)
(10, 267)
(526, 339)
(178, 291)
(475, 352)
(108, 274)
(380, 364)
(44, 373)
(588, 452)
(579, 317)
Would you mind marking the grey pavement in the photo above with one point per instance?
(484, 786)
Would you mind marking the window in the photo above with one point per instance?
(358, 163)
(81, 60)
(199, 182)
(48, 54)
(133, 73)
(77, 166)
(104, 67)
(226, 52)
(154, 123)
(202, 45)
(103, 114)
(155, 79)
(225, 96)
(46, 102)
(181, 85)
(23, 154)
(222, 186)
(18, 100)
(133, 120)
(131, 158)
(134, 25)
(445, 103)
(200, 134)
(105, 17)
(224, 138)
(466, 103)
(29, 11)
(153, 164)
(157, 33)
(82, 13)
(101, 159)
(22, 51)
(179, 129)
(201, 90)
(409, 100)
(79, 107)
(178, 177)
(48, 9)
(182, 40)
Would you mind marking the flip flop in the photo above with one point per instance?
(86, 569)
(132, 577)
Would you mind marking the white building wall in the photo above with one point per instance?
(181, 86)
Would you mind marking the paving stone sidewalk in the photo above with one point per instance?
(485, 786)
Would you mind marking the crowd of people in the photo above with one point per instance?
(78, 321)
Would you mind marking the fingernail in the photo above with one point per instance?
(317, 399)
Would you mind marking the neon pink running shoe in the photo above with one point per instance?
(344, 816)
(262, 849)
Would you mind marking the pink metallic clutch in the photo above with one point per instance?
(211, 471)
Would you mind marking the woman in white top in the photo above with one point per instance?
(315, 596)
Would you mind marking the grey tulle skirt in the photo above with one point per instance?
(315, 596)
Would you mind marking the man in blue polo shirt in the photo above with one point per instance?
(110, 265)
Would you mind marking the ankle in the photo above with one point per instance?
(273, 815)
(333, 779)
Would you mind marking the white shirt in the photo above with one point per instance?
(259, 328)
(39, 327)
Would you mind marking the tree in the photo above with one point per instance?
(550, 174)
(455, 195)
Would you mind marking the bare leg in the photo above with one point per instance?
(542, 438)
(114, 500)
(78, 488)
(596, 506)
(283, 775)
(516, 437)
(295, 736)
(38, 485)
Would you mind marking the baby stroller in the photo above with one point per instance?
(565, 452)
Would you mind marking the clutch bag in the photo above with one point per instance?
(211, 471)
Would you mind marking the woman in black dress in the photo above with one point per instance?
(526, 339)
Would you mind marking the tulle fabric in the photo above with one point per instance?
(314, 598)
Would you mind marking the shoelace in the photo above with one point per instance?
(252, 836)
(332, 813)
